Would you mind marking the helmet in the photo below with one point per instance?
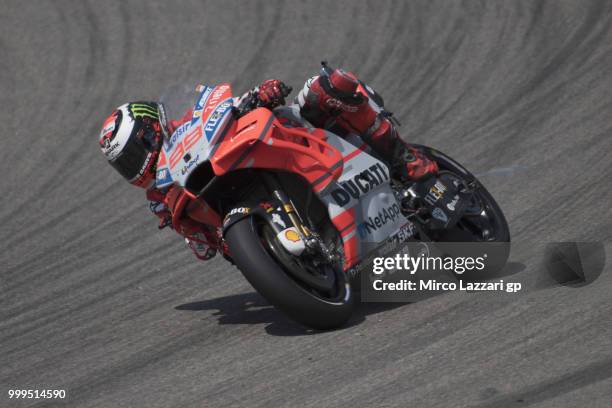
(341, 86)
(131, 139)
(343, 81)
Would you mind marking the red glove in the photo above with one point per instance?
(271, 93)
(201, 250)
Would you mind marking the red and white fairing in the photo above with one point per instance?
(194, 142)
(360, 202)
(353, 184)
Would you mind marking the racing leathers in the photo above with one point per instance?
(338, 101)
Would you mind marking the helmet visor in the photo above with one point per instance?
(131, 160)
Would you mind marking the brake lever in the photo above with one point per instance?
(286, 90)
(247, 104)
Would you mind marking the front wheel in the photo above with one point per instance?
(290, 285)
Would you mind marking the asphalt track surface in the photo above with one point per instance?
(96, 301)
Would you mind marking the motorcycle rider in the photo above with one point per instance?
(131, 139)
(334, 101)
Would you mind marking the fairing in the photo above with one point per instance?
(350, 182)
(196, 140)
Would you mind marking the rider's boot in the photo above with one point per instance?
(408, 163)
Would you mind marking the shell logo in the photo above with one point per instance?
(292, 236)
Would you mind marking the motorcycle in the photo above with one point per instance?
(300, 209)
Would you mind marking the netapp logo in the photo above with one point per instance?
(360, 184)
(388, 214)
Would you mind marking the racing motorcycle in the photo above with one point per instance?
(300, 209)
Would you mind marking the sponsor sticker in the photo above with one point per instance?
(453, 203)
(142, 110)
(439, 214)
(197, 112)
(216, 97)
(179, 132)
(108, 128)
(292, 236)
(234, 211)
(189, 165)
(163, 177)
(360, 184)
(384, 216)
(215, 119)
(435, 192)
(278, 220)
(240, 210)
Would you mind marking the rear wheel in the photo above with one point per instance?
(484, 220)
(316, 295)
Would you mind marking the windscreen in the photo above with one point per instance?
(177, 100)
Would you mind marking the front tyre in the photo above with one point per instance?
(250, 249)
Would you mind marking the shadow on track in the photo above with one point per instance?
(251, 308)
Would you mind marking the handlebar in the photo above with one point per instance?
(251, 101)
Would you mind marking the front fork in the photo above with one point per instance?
(273, 186)
(319, 251)
(279, 213)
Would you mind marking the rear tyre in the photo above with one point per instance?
(484, 221)
(251, 252)
(491, 216)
